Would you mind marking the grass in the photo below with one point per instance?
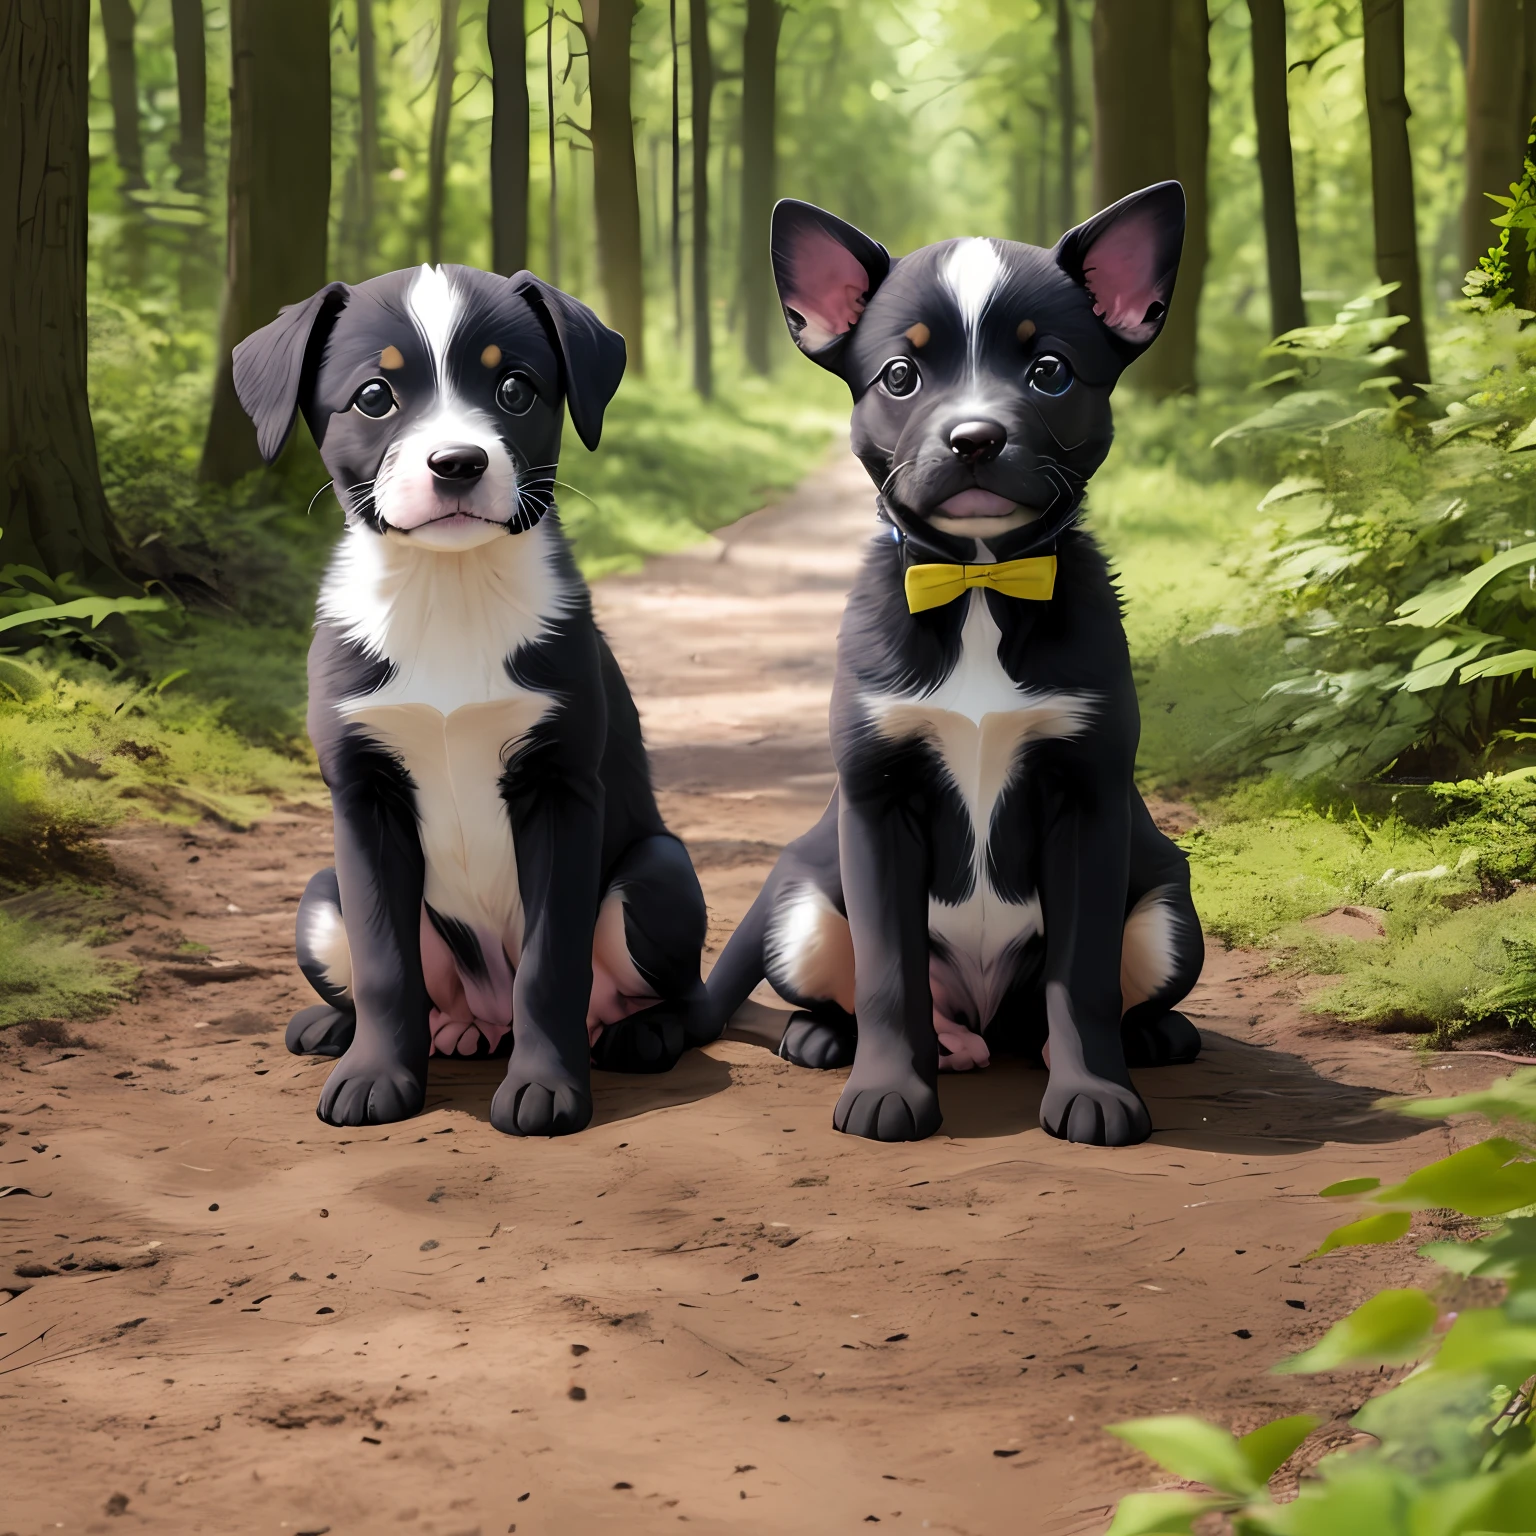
(44, 976)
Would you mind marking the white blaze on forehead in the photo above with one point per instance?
(972, 271)
(434, 307)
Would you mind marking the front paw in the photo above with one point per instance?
(1169, 1041)
(809, 1043)
(543, 1100)
(367, 1091)
(888, 1106)
(1081, 1107)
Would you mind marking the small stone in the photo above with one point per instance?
(783, 1418)
(322, 1311)
(214, 1206)
(1005, 1454)
(579, 1349)
(1241, 1333)
(577, 1394)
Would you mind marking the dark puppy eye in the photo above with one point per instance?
(900, 377)
(515, 395)
(374, 399)
(1049, 375)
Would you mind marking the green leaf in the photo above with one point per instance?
(1525, 438)
(1444, 600)
(1162, 1514)
(1385, 1228)
(1487, 1341)
(1390, 1328)
(1514, 1095)
(1189, 1447)
(1505, 665)
(1486, 1180)
(1270, 1446)
(93, 608)
(1349, 1187)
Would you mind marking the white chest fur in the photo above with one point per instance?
(447, 622)
(978, 721)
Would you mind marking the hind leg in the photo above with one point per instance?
(1162, 951)
(320, 942)
(648, 1001)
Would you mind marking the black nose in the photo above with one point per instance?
(458, 461)
(977, 442)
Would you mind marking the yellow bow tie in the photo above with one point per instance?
(931, 586)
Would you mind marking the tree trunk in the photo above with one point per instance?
(1066, 110)
(1497, 123)
(53, 512)
(702, 71)
(117, 23)
(279, 193)
(677, 179)
(1139, 138)
(759, 170)
(1397, 251)
(1172, 365)
(442, 118)
(615, 185)
(549, 118)
(367, 131)
(510, 143)
(191, 152)
(1271, 116)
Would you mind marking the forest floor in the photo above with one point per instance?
(709, 1308)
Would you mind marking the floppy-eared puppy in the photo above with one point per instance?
(502, 872)
(986, 876)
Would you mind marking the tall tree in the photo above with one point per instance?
(549, 118)
(1066, 113)
(442, 120)
(367, 161)
(1173, 361)
(677, 177)
(191, 45)
(510, 136)
(53, 512)
(117, 23)
(1271, 116)
(1498, 112)
(615, 184)
(702, 81)
(1397, 250)
(279, 193)
(1139, 138)
(759, 172)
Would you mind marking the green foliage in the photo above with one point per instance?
(1397, 555)
(1455, 1454)
(82, 751)
(45, 977)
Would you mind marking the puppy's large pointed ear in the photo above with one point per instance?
(592, 357)
(1127, 257)
(826, 271)
(274, 368)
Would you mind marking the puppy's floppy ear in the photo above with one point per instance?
(592, 357)
(1127, 257)
(274, 368)
(826, 271)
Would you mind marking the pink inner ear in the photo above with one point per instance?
(1118, 270)
(828, 283)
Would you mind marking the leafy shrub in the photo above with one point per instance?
(45, 977)
(1399, 551)
(1455, 1453)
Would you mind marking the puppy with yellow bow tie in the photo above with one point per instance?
(986, 877)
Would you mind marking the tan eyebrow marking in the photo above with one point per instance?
(491, 356)
(918, 334)
(1026, 329)
(390, 358)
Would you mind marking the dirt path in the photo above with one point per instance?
(709, 1308)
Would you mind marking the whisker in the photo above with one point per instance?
(316, 497)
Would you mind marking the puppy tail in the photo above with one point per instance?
(741, 966)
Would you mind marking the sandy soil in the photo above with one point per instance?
(707, 1309)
